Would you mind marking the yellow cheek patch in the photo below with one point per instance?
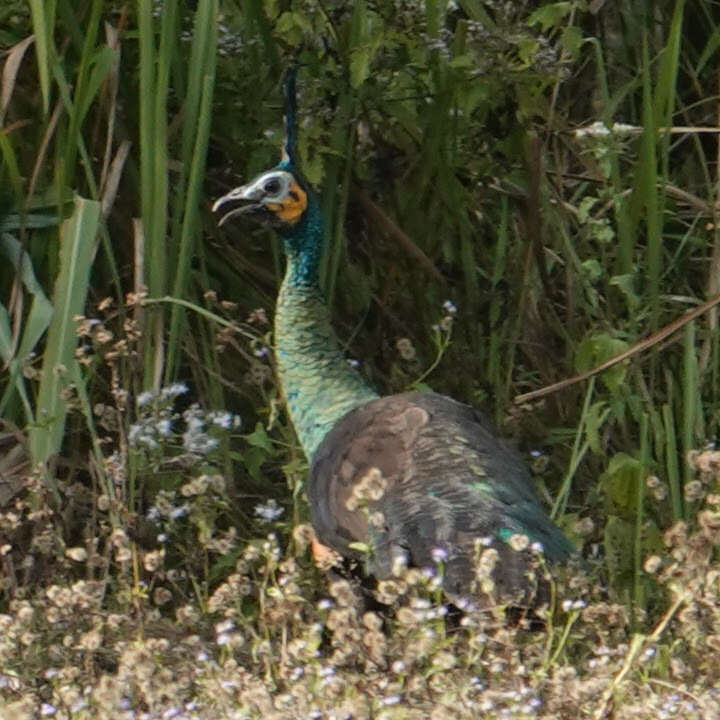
(293, 205)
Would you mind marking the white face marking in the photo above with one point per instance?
(275, 190)
(271, 186)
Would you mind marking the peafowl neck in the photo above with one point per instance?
(318, 383)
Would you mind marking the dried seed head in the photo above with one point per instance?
(709, 522)
(584, 526)
(406, 349)
(693, 490)
(78, 554)
(372, 621)
(519, 542)
(376, 519)
(153, 560)
(303, 535)
(707, 461)
(388, 591)
(408, 617)
(676, 535)
(371, 486)
(399, 565)
(342, 593)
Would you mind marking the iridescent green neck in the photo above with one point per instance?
(319, 384)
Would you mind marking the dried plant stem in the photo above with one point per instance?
(643, 345)
(638, 644)
(713, 282)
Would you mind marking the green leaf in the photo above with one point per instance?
(595, 350)
(463, 61)
(593, 422)
(585, 207)
(619, 538)
(527, 50)
(259, 438)
(77, 246)
(5, 335)
(35, 324)
(592, 269)
(571, 39)
(620, 481)
(360, 547)
(365, 41)
(253, 459)
(626, 284)
(291, 26)
(102, 64)
(41, 310)
(31, 222)
(43, 19)
(550, 15)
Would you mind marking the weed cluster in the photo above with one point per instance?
(128, 633)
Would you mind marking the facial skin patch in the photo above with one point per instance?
(292, 206)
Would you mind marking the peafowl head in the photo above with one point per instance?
(276, 198)
(279, 197)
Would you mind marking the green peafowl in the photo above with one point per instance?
(414, 478)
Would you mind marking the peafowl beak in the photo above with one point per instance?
(250, 194)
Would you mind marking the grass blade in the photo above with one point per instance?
(196, 134)
(671, 458)
(77, 245)
(43, 20)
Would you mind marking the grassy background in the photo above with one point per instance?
(447, 142)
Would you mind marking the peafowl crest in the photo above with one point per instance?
(413, 478)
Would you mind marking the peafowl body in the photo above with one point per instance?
(414, 477)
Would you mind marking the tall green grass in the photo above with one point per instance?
(81, 149)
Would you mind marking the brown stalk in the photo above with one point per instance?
(643, 345)
(713, 282)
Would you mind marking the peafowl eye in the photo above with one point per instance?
(414, 478)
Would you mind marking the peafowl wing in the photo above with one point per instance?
(421, 476)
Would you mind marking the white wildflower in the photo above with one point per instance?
(222, 419)
(224, 626)
(438, 554)
(145, 398)
(269, 511)
(78, 554)
(179, 512)
(172, 391)
(519, 542)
